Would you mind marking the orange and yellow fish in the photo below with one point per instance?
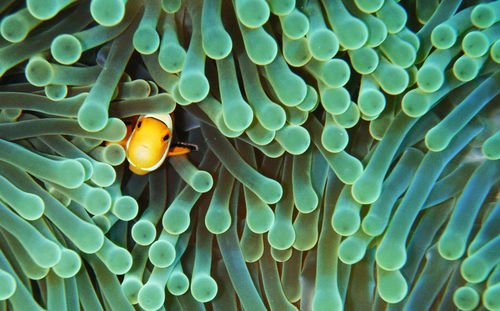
(149, 142)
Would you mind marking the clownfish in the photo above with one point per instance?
(149, 142)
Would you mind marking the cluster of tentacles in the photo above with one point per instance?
(348, 155)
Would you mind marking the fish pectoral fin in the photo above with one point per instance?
(175, 151)
(181, 148)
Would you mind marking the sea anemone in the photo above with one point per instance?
(343, 155)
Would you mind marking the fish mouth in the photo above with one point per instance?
(140, 156)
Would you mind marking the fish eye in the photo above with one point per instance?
(166, 137)
(139, 124)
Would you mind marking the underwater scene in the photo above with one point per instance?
(252, 155)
